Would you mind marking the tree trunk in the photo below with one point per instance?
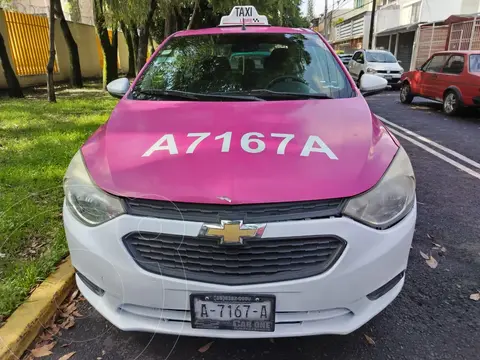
(152, 48)
(175, 21)
(115, 39)
(192, 23)
(167, 25)
(142, 47)
(110, 69)
(131, 51)
(14, 89)
(144, 33)
(76, 80)
(135, 40)
(51, 59)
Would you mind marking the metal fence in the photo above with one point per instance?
(29, 44)
(465, 35)
(431, 40)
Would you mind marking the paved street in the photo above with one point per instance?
(433, 318)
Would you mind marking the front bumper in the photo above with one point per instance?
(392, 79)
(334, 302)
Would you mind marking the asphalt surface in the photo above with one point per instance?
(433, 317)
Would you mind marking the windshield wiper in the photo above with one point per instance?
(196, 96)
(270, 94)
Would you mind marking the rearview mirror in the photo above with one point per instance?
(119, 87)
(372, 84)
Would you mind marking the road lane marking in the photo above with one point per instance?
(432, 143)
(437, 154)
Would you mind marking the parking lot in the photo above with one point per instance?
(433, 317)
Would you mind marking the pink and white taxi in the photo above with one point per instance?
(241, 188)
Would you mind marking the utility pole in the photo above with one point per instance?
(372, 23)
(325, 29)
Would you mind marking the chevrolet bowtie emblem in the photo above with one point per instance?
(232, 232)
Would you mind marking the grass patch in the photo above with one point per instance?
(37, 142)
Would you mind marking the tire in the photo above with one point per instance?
(451, 103)
(406, 96)
(359, 77)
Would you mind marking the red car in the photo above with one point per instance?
(452, 77)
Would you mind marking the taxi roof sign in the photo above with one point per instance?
(241, 15)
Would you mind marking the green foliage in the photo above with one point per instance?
(130, 10)
(310, 11)
(38, 141)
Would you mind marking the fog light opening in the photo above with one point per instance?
(385, 288)
(96, 289)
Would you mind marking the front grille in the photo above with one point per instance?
(388, 71)
(393, 81)
(252, 213)
(257, 261)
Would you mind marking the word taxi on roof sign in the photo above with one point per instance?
(247, 15)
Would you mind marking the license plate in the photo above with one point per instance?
(240, 312)
(388, 77)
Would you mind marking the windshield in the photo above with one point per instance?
(380, 56)
(475, 63)
(245, 64)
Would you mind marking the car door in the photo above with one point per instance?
(429, 79)
(351, 64)
(355, 64)
(451, 75)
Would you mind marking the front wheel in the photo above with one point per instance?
(406, 96)
(358, 80)
(451, 103)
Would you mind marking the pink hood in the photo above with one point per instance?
(114, 154)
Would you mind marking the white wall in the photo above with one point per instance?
(470, 6)
(387, 19)
(431, 10)
(435, 10)
(29, 6)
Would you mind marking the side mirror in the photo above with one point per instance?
(399, 61)
(372, 84)
(119, 87)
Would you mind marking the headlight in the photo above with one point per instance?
(371, 71)
(402, 70)
(91, 205)
(390, 200)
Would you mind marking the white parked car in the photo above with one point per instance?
(378, 62)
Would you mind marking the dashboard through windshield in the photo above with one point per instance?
(255, 65)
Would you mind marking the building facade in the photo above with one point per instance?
(350, 28)
(402, 26)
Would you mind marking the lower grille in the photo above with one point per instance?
(257, 261)
(281, 317)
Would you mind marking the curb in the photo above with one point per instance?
(23, 326)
